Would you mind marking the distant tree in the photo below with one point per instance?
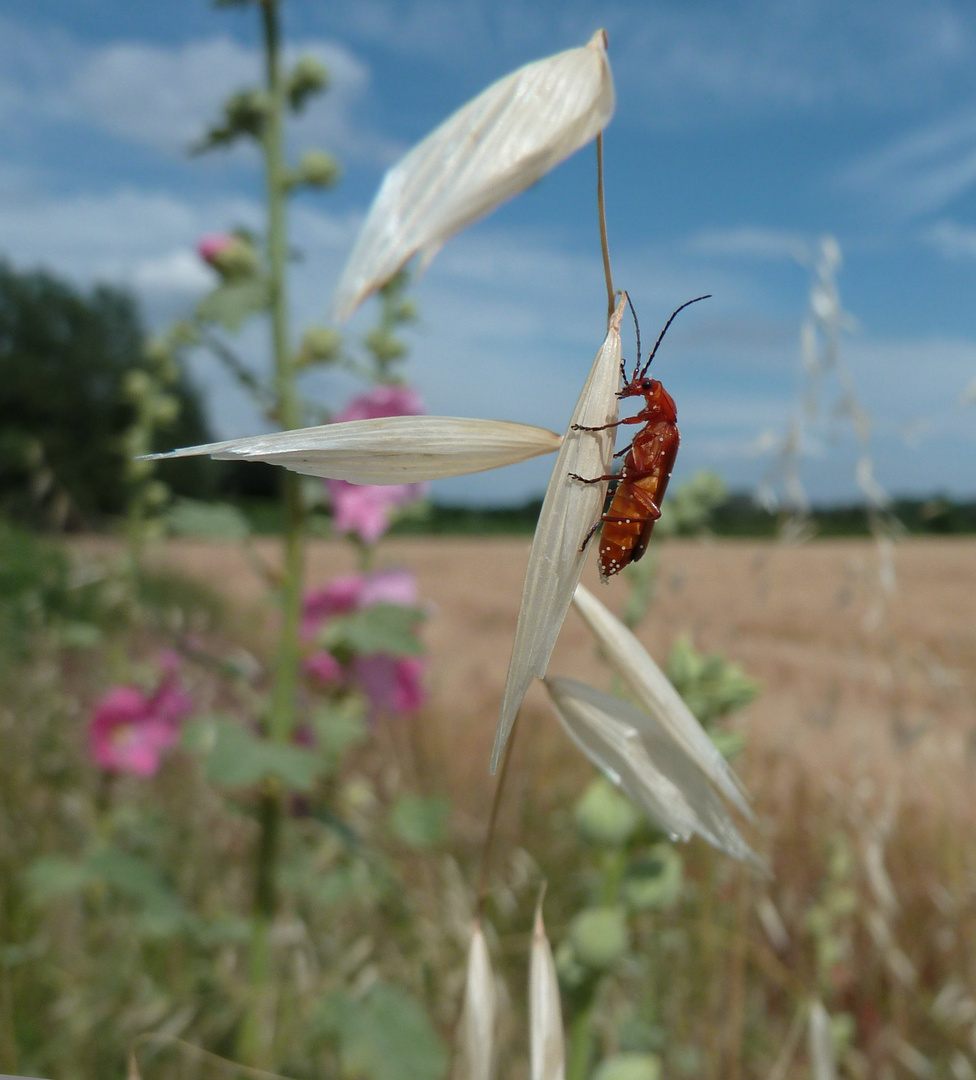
(64, 355)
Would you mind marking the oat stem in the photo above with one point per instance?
(604, 243)
(486, 851)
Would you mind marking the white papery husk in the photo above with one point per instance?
(820, 1042)
(476, 1030)
(652, 689)
(568, 512)
(547, 1052)
(639, 755)
(495, 146)
(389, 449)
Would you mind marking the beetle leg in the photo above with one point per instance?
(589, 535)
(601, 427)
(594, 480)
(605, 427)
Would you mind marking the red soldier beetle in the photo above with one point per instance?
(643, 480)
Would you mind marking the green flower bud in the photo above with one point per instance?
(158, 351)
(153, 530)
(320, 344)
(570, 971)
(138, 470)
(318, 169)
(247, 111)
(237, 259)
(309, 76)
(655, 882)
(629, 1067)
(137, 385)
(165, 409)
(599, 936)
(155, 493)
(168, 372)
(604, 816)
(183, 333)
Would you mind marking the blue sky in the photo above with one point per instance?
(744, 132)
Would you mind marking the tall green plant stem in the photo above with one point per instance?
(257, 1030)
(288, 404)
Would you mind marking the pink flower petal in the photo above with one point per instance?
(342, 594)
(324, 667)
(391, 683)
(128, 731)
(384, 400)
(210, 246)
(366, 509)
(390, 587)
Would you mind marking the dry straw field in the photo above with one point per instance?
(856, 683)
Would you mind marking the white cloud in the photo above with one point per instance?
(166, 96)
(180, 271)
(109, 236)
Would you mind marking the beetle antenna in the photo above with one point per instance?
(637, 327)
(707, 296)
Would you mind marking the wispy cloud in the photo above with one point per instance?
(775, 58)
(922, 171)
(951, 239)
(688, 62)
(751, 242)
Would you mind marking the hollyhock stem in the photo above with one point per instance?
(288, 404)
(256, 1035)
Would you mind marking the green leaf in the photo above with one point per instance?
(387, 1036)
(712, 686)
(135, 879)
(632, 1066)
(215, 521)
(238, 758)
(128, 875)
(232, 302)
(80, 635)
(421, 822)
(51, 876)
(381, 628)
(339, 727)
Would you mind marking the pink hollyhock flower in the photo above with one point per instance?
(366, 509)
(323, 667)
(129, 731)
(342, 594)
(389, 587)
(210, 247)
(384, 400)
(352, 592)
(392, 683)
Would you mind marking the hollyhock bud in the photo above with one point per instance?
(231, 256)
